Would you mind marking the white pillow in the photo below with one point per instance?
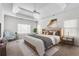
(54, 33)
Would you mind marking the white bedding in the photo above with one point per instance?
(39, 45)
(55, 39)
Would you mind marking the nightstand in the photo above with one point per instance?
(68, 40)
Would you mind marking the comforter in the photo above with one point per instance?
(40, 43)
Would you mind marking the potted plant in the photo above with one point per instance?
(35, 30)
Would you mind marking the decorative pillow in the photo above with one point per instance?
(9, 35)
(54, 33)
(57, 33)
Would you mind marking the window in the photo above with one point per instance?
(39, 29)
(24, 28)
(70, 27)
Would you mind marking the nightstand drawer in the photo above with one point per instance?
(67, 41)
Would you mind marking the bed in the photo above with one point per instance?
(40, 43)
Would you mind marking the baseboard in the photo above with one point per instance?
(76, 45)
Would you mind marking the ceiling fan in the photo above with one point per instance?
(35, 13)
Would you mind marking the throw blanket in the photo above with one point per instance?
(47, 41)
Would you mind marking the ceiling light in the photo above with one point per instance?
(36, 14)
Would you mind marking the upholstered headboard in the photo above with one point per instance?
(53, 31)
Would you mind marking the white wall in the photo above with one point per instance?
(6, 9)
(64, 15)
(10, 23)
(1, 20)
(12, 19)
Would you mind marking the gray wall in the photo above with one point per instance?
(10, 23)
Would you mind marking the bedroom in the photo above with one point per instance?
(48, 23)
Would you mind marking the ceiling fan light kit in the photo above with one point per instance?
(36, 14)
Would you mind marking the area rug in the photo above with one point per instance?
(18, 48)
(13, 49)
(52, 51)
(24, 48)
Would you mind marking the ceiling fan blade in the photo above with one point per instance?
(36, 12)
(26, 10)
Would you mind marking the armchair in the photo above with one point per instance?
(9, 35)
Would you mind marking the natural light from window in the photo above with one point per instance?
(70, 27)
(23, 28)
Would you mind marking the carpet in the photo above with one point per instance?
(67, 50)
(18, 48)
(13, 49)
(52, 51)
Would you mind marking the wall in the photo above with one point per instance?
(10, 23)
(62, 16)
(1, 20)
(8, 10)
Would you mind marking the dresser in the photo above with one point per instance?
(2, 48)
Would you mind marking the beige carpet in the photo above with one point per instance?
(12, 49)
(18, 48)
(67, 50)
(52, 51)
